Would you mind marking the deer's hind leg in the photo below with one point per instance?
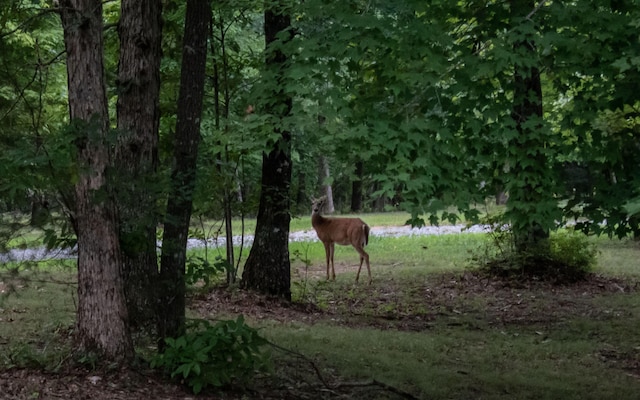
(364, 256)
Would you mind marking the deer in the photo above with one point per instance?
(343, 231)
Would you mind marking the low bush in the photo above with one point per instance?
(217, 355)
(200, 269)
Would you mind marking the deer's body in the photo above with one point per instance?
(343, 231)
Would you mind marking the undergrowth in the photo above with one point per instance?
(217, 355)
(566, 256)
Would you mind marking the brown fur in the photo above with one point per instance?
(343, 231)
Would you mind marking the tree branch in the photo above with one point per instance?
(331, 387)
(26, 22)
(535, 10)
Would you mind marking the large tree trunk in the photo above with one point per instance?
(529, 234)
(183, 176)
(268, 268)
(102, 325)
(140, 31)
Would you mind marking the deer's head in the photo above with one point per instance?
(317, 205)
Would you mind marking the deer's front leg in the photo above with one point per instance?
(327, 252)
(333, 268)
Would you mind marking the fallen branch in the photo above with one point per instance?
(331, 387)
(304, 358)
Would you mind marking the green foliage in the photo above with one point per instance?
(60, 235)
(215, 355)
(199, 269)
(303, 290)
(420, 93)
(36, 165)
(424, 94)
(574, 250)
(26, 355)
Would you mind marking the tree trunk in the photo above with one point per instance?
(529, 234)
(356, 188)
(102, 325)
(221, 89)
(268, 269)
(140, 30)
(327, 190)
(183, 176)
(501, 197)
(301, 192)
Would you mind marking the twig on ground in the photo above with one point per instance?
(331, 387)
(305, 358)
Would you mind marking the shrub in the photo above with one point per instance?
(214, 354)
(566, 256)
(573, 250)
(199, 269)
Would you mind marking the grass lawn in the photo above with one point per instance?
(426, 328)
(429, 327)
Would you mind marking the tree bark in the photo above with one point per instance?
(183, 176)
(326, 188)
(302, 199)
(356, 188)
(527, 105)
(268, 268)
(140, 30)
(221, 89)
(102, 325)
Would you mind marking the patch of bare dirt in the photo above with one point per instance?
(19, 384)
(629, 362)
(295, 379)
(414, 306)
(221, 302)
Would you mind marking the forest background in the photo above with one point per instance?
(119, 118)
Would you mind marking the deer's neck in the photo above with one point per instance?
(317, 219)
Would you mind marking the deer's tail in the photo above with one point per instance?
(366, 229)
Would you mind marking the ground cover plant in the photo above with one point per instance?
(427, 327)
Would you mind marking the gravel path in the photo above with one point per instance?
(41, 254)
(380, 231)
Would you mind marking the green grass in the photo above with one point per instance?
(440, 253)
(418, 327)
(404, 255)
(618, 257)
(457, 363)
(463, 354)
(37, 309)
